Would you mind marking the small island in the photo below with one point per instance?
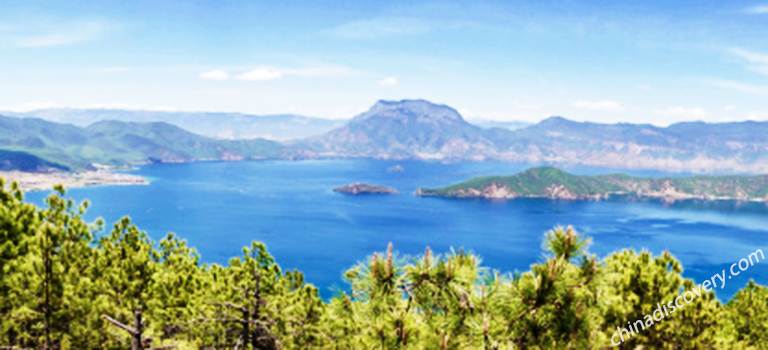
(553, 183)
(361, 188)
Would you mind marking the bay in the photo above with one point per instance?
(220, 207)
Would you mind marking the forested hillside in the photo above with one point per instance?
(67, 283)
(30, 144)
(550, 182)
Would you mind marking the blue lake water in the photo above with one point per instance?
(220, 207)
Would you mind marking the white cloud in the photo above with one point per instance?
(643, 87)
(759, 69)
(759, 61)
(261, 74)
(758, 10)
(127, 106)
(602, 106)
(388, 81)
(729, 108)
(379, 27)
(695, 112)
(51, 34)
(757, 116)
(735, 85)
(272, 73)
(750, 56)
(31, 106)
(216, 74)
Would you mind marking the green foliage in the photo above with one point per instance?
(61, 287)
(539, 182)
(747, 317)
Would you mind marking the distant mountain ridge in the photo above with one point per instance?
(418, 129)
(211, 124)
(407, 129)
(689, 146)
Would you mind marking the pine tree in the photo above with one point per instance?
(746, 319)
(49, 287)
(57, 283)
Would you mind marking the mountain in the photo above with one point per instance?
(215, 125)
(689, 147)
(549, 182)
(418, 129)
(407, 129)
(22, 161)
(40, 145)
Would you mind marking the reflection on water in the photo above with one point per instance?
(722, 206)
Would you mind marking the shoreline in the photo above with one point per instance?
(665, 197)
(29, 182)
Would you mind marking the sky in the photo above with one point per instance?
(649, 61)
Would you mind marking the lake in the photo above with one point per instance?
(220, 207)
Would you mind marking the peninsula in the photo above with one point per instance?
(361, 188)
(553, 183)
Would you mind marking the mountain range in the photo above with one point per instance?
(32, 144)
(408, 129)
(422, 130)
(215, 125)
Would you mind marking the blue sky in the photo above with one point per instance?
(649, 61)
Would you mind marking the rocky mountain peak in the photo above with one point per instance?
(556, 122)
(418, 111)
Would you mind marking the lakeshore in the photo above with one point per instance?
(45, 181)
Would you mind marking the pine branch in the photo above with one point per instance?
(119, 340)
(589, 278)
(229, 316)
(120, 325)
(238, 320)
(232, 306)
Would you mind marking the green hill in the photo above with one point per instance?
(549, 182)
(51, 145)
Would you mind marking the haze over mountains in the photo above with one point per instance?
(408, 129)
(215, 125)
